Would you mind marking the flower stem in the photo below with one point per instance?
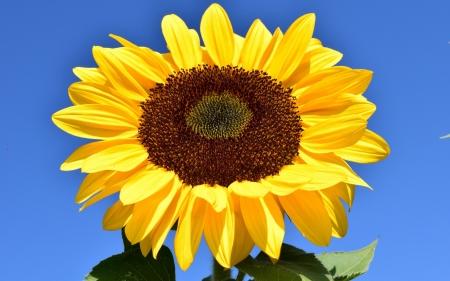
(219, 273)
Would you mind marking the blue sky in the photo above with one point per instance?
(405, 43)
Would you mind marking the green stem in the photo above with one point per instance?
(220, 273)
(240, 276)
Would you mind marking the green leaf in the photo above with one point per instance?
(345, 266)
(133, 266)
(294, 265)
(446, 136)
(207, 278)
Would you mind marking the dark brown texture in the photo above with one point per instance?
(269, 141)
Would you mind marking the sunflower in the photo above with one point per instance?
(223, 139)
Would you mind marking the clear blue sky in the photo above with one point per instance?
(405, 43)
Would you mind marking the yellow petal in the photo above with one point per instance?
(145, 184)
(118, 74)
(287, 181)
(319, 177)
(137, 67)
(238, 44)
(369, 149)
(314, 43)
(249, 189)
(206, 59)
(218, 35)
(321, 109)
(243, 242)
(265, 223)
(146, 244)
(313, 61)
(336, 212)
(95, 121)
(292, 47)
(168, 58)
(113, 185)
(333, 161)
(216, 196)
(153, 59)
(189, 232)
(306, 209)
(117, 216)
(148, 212)
(94, 75)
(122, 157)
(92, 184)
(92, 93)
(333, 134)
(255, 43)
(167, 221)
(266, 58)
(344, 191)
(219, 231)
(75, 160)
(314, 78)
(352, 81)
(185, 52)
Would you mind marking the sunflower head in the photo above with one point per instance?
(224, 138)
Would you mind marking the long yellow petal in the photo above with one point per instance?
(75, 160)
(313, 61)
(146, 244)
(306, 209)
(189, 232)
(167, 221)
(266, 58)
(333, 161)
(321, 109)
(292, 47)
(336, 212)
(122, 157)
(217, 34)
(151, 58)
(117, 216)
(265, 223)
(319, 177)
(333, 134)
(148, 212)
(137, 68)
(118, 74)
(249, 189)
(92, 184)
(216, 196)
(238, 44)
(369, 149)
(219, 231)
(95, 121)
(352, 81)
(92, 93)
(314, 43)
(185, 52)
(314, 78)
(93, 75)
(256, 41)
(145, 184)
(243, 242)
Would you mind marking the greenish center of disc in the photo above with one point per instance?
(219, 116)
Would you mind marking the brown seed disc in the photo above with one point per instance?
(268, 139)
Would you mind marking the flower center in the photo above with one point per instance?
(219, 116)
(216, 125)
